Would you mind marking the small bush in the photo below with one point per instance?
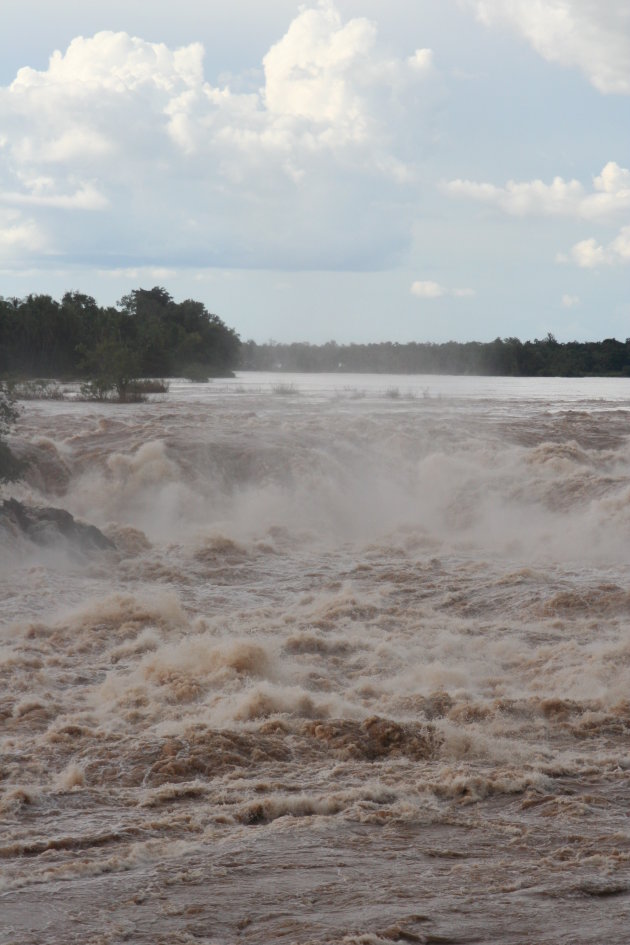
(148, 386)
(284, 389)
(107, 393)
(96, 390)
(39, 390)
(197, 373)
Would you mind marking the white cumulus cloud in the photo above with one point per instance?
(608, 196)
(589, 254)
(590, 35)
(312, 169)
(19, 234)
(428, 289)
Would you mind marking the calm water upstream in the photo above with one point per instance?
(358, 670)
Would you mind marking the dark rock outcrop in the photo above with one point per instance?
(49, 527)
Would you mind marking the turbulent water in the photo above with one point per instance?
(357, 671)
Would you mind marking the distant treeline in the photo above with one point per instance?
(146, 335)
(504, 356)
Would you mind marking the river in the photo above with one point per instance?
(357, 671)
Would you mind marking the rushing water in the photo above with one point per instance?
(358, 670)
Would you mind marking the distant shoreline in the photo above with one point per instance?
(507, 357)
(149, 335)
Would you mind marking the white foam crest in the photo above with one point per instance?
(350, 474)
(71, 778)
(134, 856)
(192, 671)
(161, 607)
(595, 671)
(482, 743)
(143, 489)
(146, 641)
(470, 784)
(201, 656)
(267, 700)
(370, 802)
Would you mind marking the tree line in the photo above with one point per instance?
(501, 357)
(147, 334)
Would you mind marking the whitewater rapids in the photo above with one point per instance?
(358, 670)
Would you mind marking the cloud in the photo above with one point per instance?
(621, 245)
(19, 234)
(609, 196)
(41, 193)
(570, 301)
(589, 254)
(155, 273)
(433, 290)
(313, 169)
(427, 290)
(590, 35)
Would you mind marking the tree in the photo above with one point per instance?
(112, 367)
(10, 466)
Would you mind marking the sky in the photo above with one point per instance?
(398, 170)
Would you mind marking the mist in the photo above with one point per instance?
(354, 642)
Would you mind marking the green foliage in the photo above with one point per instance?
(10, 466)
(503, 357)
(195, 372)
(153, 385)
(147, 335)
(112, 368)
(8, 409)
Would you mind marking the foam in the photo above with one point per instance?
(388, 635)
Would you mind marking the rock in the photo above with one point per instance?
(48, 526)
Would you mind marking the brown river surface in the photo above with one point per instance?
(357, 670)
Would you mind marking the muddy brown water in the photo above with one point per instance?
(357, 671)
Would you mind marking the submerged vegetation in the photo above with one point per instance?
(502, 357)
(146, 335)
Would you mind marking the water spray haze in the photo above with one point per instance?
(387, 632)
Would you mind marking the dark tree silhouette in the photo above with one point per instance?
(148, 335)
